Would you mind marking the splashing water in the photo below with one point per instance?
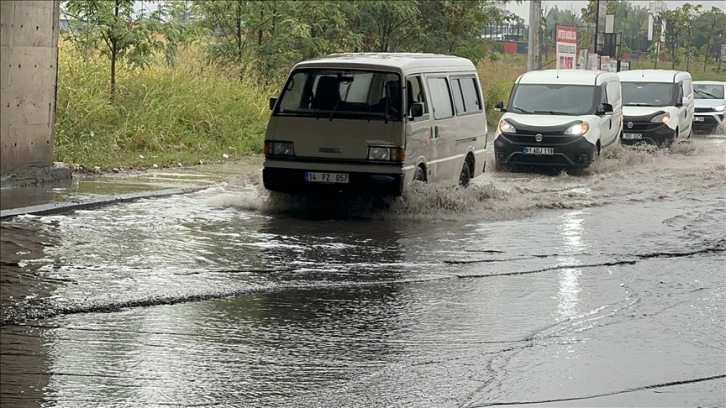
(621, 174)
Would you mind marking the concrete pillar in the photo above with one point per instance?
(28, 74)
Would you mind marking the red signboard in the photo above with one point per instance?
(567, 34)
(566, 47)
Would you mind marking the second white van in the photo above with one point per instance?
(658, 106)
(559, 118)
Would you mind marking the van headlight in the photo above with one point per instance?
(274, 148)
(386, 153)
(578, 129)
(663, 117)
(506, 127)
(718, 108)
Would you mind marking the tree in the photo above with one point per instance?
(589, 12)
(121, 34)
(269, 36)
(709, 33)
(676, 25)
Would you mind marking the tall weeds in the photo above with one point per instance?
(184, 113)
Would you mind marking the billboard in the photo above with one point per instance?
(566, 47)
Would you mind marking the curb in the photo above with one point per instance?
(66, 207)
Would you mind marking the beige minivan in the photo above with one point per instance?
(375, 122)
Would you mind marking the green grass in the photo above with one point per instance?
(712, 72)
(161, 115)
(497, 77)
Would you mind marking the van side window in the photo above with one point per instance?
(458, 97)
(415, 93)
(472, 101)
(440, 98)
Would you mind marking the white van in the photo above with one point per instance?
(657, 106)
(709, 105)
(559, 118)
(375, 122)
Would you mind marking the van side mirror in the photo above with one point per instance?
(604, 109)
(273, 101)
(500, 107)
(417, 110)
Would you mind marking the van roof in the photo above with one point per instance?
(652, 75)
(405, 62)
(566, 76)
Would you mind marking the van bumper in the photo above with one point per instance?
(569, 151)
(707, 122)
(646, 132)
(286, 180)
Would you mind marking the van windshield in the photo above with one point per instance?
(553, 99)
(648, 93)
(338, 93)
(708, 91)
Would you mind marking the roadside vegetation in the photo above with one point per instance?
(190, 81)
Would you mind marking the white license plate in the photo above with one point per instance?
(698, 118)
(318, 177)
(632, 136)
(538, 150)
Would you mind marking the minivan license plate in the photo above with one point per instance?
(632, 136)
(539, 150)
(318, 177)
(698, 118)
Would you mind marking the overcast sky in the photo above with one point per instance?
(522, 9)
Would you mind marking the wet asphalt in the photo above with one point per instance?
(194, 287)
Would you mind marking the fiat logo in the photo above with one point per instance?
(630, 125)
(538, 137)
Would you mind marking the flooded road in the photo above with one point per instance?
(601, 289)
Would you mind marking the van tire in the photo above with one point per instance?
(420, 174)
(465, 175)
(670, 143)
(596, 153)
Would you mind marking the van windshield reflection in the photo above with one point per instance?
(553, 99)
(647, 94)
(705, 91)
(336, 93)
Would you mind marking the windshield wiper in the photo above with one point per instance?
(335, 108)
(520, 109)
(712, 96)
(552, 112)
(638, 104)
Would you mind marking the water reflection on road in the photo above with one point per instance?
(594, 290)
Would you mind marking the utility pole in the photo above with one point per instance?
(535, 25)
(597, 25)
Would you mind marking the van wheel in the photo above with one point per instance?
(420, 174)
(465, 175)
(669, 143)
(596, 152)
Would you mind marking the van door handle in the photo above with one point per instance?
(436, 132)
(610, 123)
